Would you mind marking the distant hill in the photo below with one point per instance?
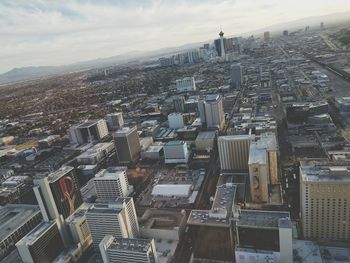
(30, 73)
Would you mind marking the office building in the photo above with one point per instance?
(43, 244)
(128, 250)
(263, 167)
(58, 193)
(79, 228)
(263, 236)
(214, 112)
(115, 121)
(112, 183)
(96, 154)
(285, 33)
(187, 84)
(87, 132)
(127, 143)
(236, 75)
(176, 152)
(176, 121)
(118, 219)
(179, 104)
(267, 36)
(324, 200)
(15, 222)
(234, 151)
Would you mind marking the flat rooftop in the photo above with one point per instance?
(174, 143)
(312, 170)
(260, 219)
(54, 176)
(32, 236)
(205, 135)
(13, 216)
(256, 154)
(237, 137)
(130, 244)
(111, 173)
(87, 124)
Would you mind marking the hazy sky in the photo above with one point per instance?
(55, 32)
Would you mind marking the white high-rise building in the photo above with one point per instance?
(214, 112)
(115, 121)
(87, 132)
(176, 121)
(234, 151)
(128, 250)
(324, 200)
(186, 84)
(111, 183)
(118, 219)
(236, 75)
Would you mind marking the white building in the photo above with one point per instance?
(176, 152)
(118, 219)
(234, 151)
(87, 132)
(128, 250)
(112, 183)
(186, 84)
(176, 121)
(236, 75)
(214, 112)
(115, 121)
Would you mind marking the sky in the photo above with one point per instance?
(57, 32)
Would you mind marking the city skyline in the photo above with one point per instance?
(37, 33)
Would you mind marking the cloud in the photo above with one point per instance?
(40, 32)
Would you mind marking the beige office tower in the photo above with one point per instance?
(263, 167)
(118, 219)
(234, 151)
(325, 199)
(128, 250)
(127, 143)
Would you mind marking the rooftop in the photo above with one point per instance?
(54, 176)
(319, 171)
(237, 137)
(111, 173)
(87, 124)
(12, 216)
(174, 143)
(133, 244)
(261, 219)
(39, 230)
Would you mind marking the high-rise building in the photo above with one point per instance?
(324, 200)
(236, 75)
(176, 120)
(89, 131)
(43, 244)
(217, 44)
(285, 33)
(222, 45)
(111, 183)
(267, 36)
(16, 220)
(127, 143)
(263, 167)
(179, 104)
(128, 250)
(186, 84)
(58, 193)
(115, 121)
(234, 151)
(118, 219)
(214, 112)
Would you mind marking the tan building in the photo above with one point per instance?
(234, 151)
(325, 199)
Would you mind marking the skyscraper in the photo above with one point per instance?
(324, 200)
(58, 193)
(214, 112)
(234, 151)
(222, 47)
(236, 75)
(117, 219)
(115, 121)
(128, 250)
(267, 36)
(179, 104)
(127, 144)
(111, 183)
(43, 244)
(88, 132)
